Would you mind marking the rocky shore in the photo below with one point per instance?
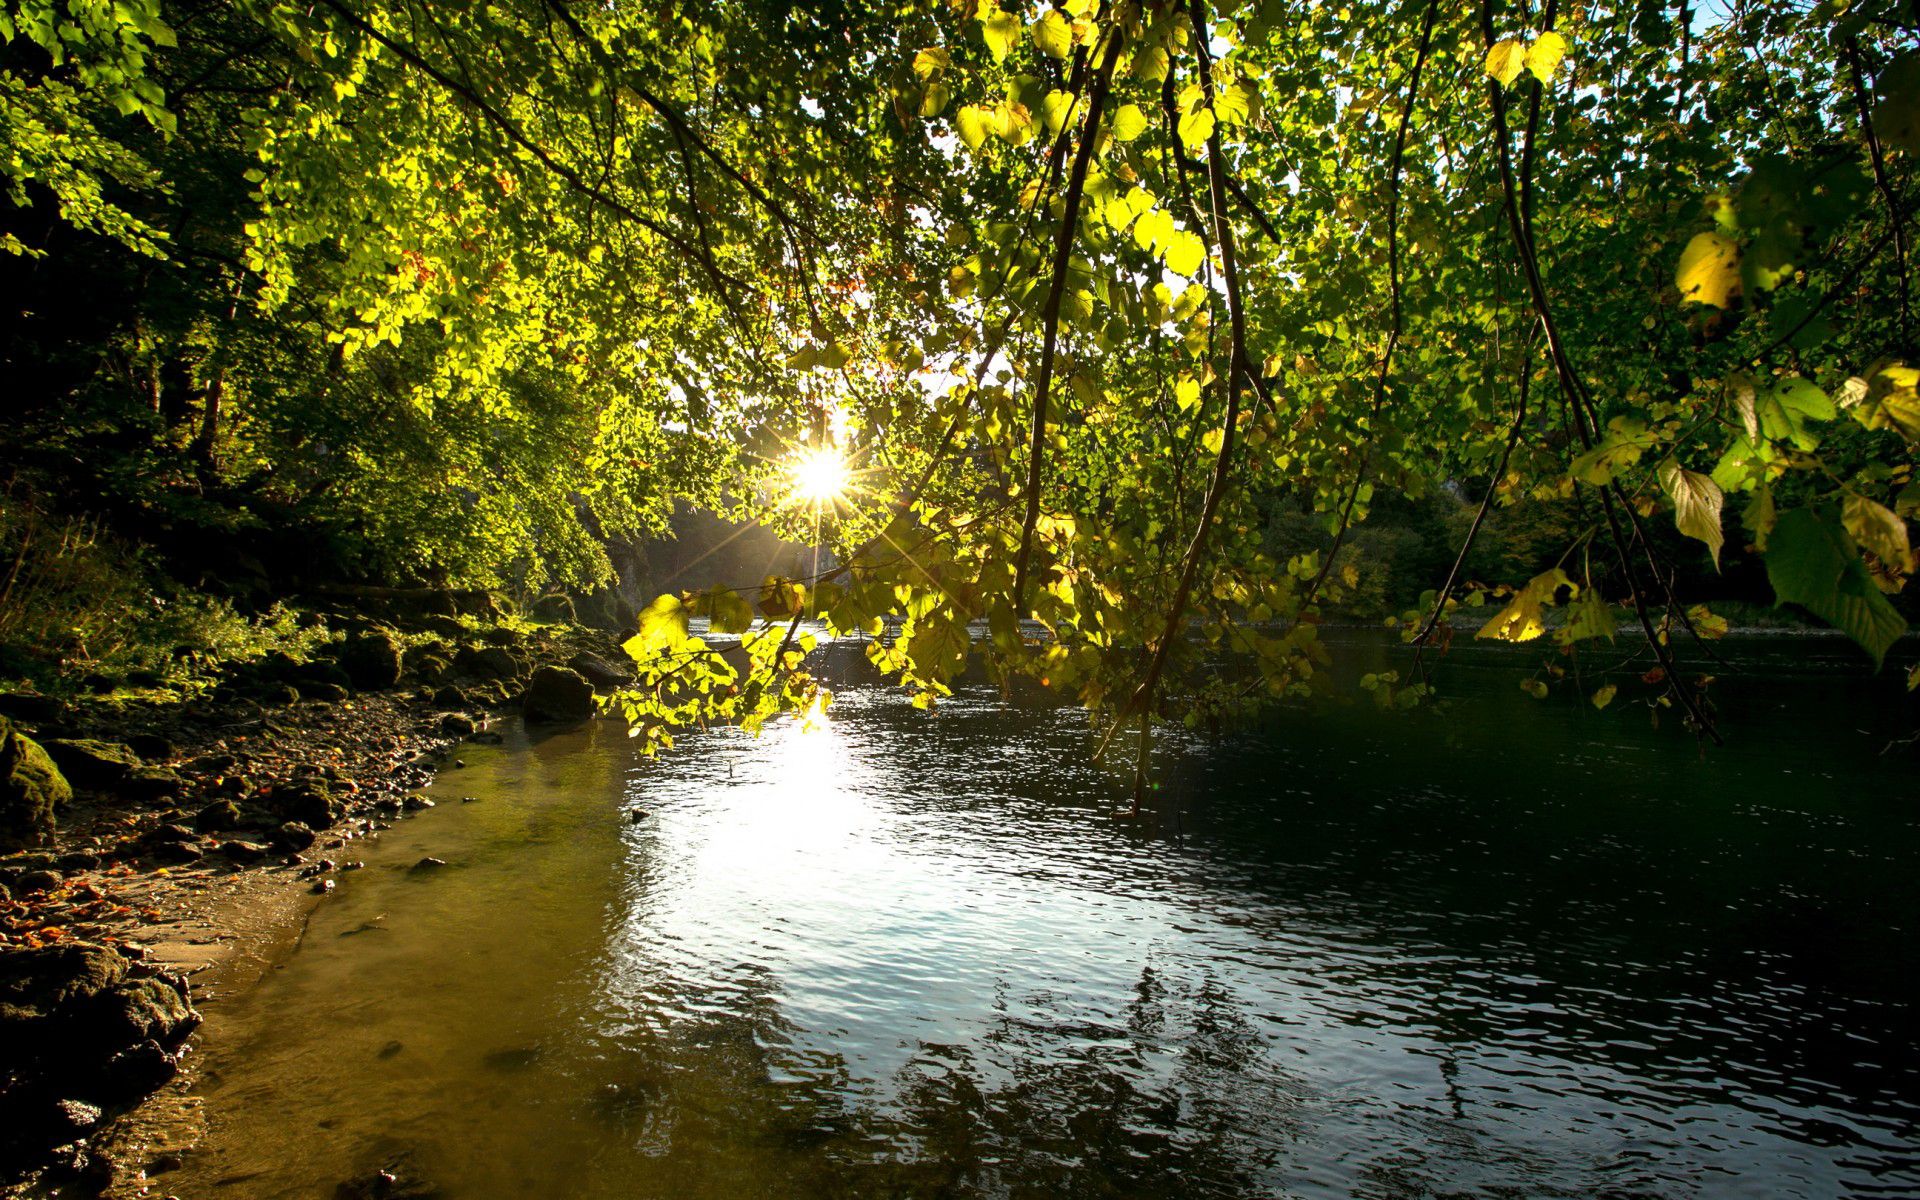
(149, 843)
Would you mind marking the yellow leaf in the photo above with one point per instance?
(1521, 619)
(1545, 55)
(1185, 253)
(1052, 35)
(1877, 528)
(1697, 501)
(1709, 270)
(972, 124)
(1000, 29)
(1604, 696)
(1707, 623)
(1505, 60)
(1129, 122)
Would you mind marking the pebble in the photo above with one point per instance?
(428, 863)
(322, 886)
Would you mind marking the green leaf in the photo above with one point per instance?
(1812, 562)
(1786, 408)
(1588, 616)
(728, 611)
(1535, 688)
(1625, 441)
(1697, 502)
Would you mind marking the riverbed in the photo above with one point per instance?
(1512, 948)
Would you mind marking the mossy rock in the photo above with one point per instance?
(372, 660)
(559, 694)
(32, 789)
(91, 763)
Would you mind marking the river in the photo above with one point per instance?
(1512, 949)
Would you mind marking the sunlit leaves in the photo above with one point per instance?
(1544, 56)
(1523, 618)
(1000, 29)
(1505, 60)
(663, 625)
(1129, 122)
(1709, 270)
(1603, 695)
(1185, 252)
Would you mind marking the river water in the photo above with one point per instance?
(1513, 949)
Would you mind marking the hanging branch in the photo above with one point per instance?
(1882, 184)
(1570, 385)
(1050, 318)
(721, 282)
(1486, 502)
(1396, 322)
(1141, 701)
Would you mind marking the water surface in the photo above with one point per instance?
(1518, 949)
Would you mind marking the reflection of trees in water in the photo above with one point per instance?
(1177, 1097)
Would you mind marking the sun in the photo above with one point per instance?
(820, 475)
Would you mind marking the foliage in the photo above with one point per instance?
(1086, 290)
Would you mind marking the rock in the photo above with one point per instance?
(171, 831)
(488, 662)
(449, 696)
(151, 747)
(555, 609)
(322, 886)
(321, 690)
(293, 836)
(279, 694)
(244, 852)
(308, 801)
(35, 882)
(91, 763)
(31, 706)
(32, 789)
(416, 803)
(148, 784)
(558, 694)
(79, 860)
(177, 854)
(319, 672)
(457, 725)
(81, 1023)
(218, 816)
(372, 660)
(213, 764)
(72, 1119)
(395, 1182)
(429, 863)
(599, 671)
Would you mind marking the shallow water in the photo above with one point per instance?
(1524, 949)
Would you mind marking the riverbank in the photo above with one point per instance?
(202, 829)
